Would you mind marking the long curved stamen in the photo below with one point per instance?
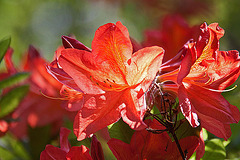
(56, 98)
(66, 97)
(224, 90)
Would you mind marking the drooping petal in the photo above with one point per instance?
(133, 108)
(187, 108)
(212, 104)
(98, 112)
(215, 127)
(212, 109)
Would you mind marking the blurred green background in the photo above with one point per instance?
(43, 22)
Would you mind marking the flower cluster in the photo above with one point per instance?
(164, 91)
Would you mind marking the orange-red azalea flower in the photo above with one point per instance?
(149, 146)
(66, 152)
(36, 109)
(203, 74)
(112, 78)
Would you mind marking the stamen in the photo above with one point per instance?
(56, 98)
(224, 90)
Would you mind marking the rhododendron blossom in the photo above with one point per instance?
(149, 146)
(30, 111)
(203, 74)
(112, 78)
(66, 152)
(172, 35)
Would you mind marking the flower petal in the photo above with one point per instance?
(69, 42)
(216, 127)
(53, 153)
(78, 153)
(144, 65)
(134, 108)
(98, 112)
(96, 149)
(187, 62)
(64, 143)
(112, 43)
(225, 70)
(71, 60)
(187, 107)
(120, 149)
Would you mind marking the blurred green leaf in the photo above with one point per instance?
(214, 149)
(39, 137)
(4, 44)
(14, 79)
(6, 154)
(10, 101)
(121, 131)
(12, 148)
(205, 134)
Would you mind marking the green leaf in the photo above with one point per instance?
(121, 131)
(214, 149)
(12, 148)
(185, 130)
(39, 137)
(6, 154)
(10, 101)
(14, 79)
(4, 44)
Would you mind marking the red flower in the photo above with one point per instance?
(36, 109)
(112, 79)
(204, 73)
(149, 146)
(172, 35)
(66, 152)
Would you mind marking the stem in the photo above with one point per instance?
(178, 144)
